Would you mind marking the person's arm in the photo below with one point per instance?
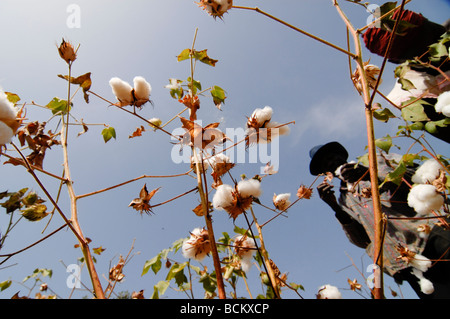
(353, 229)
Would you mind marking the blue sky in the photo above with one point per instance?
(260, 63)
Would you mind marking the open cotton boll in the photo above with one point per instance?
(6, 133)
(244, 247)
(427, 172)
(426, 286)
(262, 115)
(420, 262)
(329, 292)
(443, 104)
(281, 201)
(223, 197)
(122, 90)
(8, 119)
(249, 187)
(142, 89)
(277, 130)
(7, 109)
(197, 246)
(424, 198)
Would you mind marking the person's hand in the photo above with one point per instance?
(352, 172)
(326, 193)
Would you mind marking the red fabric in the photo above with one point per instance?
(414, 42)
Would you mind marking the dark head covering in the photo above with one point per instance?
(317, 152)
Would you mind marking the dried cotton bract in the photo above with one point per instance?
(215, 8)
(127, 95)
(197, 246)
(371, 71)
(8, 119)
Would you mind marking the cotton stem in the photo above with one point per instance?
(73, 203)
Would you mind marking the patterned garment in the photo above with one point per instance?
(355, 202)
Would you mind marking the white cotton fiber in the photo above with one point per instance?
(427, 172)
(424, 198)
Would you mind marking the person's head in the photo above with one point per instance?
(327, 158)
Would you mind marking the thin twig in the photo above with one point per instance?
(256, 9)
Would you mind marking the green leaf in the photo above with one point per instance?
(397, 175)
(438, 50)
(56, 106)
(415, 112)
(218, 95)
(12, 97)
(203, 57)
(154, 263)
(35, 213)
(39, 271)
(209, 282)
(432, 126)
(5, 284)
(184, 55)
(160, 288)
(15, 200)
(384, 143)
(175, 272)
(108, 133)
(383, 115)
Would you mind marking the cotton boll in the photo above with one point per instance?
(424, 198)
(8, 121)
(197, 246)
(122, 90)
(223, 197)
(262, 115)
(329, 292)
(281, 201)
(277, 130)
(7, 109)
(249, 187)
(426, 286)
(6, 133)
(443, 104)
(142, 89)
(427, 172)
(244, 247)
(420, 262)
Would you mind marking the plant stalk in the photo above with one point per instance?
(73, 204)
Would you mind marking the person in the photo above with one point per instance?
(353, 209)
